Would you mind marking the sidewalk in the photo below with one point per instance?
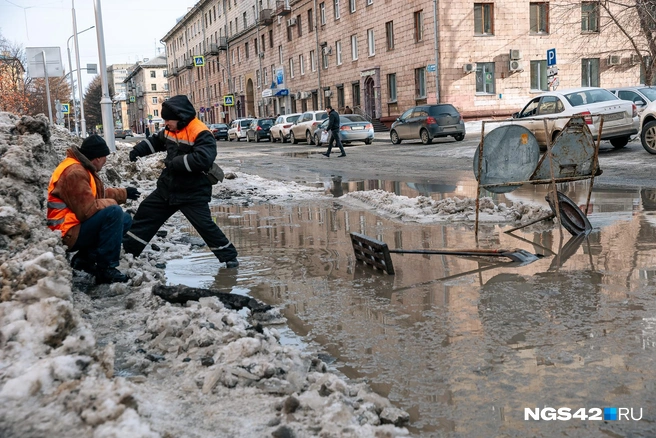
(470, 128)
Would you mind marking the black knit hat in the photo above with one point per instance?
(94, 146)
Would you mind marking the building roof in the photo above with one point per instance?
(156, 62)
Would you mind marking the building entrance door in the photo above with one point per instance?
(250, 98)
(369, 97)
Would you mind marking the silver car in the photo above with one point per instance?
(640, 95)
(280, 130)
(238, 129)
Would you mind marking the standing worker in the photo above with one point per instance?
(333, 127)
(348, 110)
(86, 213)
(183, 185)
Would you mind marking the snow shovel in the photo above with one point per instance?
(377, 254)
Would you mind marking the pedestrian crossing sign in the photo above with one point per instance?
(229, 100)
(132, 99)
(65, 108)
(199, 61)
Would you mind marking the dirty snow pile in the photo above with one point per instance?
(423, 209)
(128, 364)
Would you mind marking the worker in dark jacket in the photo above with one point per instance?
(86, 213)
(333, 127)
(183, 185)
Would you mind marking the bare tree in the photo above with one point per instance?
(92, 108)
(12, 77)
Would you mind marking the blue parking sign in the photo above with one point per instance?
(551, 57)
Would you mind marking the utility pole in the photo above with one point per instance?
(105, 101)
(83, 122)
(320, 55)
(437, 54)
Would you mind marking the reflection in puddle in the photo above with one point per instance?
(463, 354)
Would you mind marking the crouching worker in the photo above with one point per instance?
(183, 185)
(86, 213)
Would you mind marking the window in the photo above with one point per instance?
(271, 39)
(289, 33)
(263, 44)
(340, 96)
(337, 10)
(590, 72)
(258, 78)
(291, 67)
(391, 87)
(643, 76)
(550, 105)
(166, 87)
(299, 25)
(419, 25)
(338, 52)
(420, 82)
(324, 57)
(539, 17)
(354, 47)
(370, 2)
(153, 87)
(245, 20)
(156, 113)
(313, 61)
(539, 76)
(371, 42)
(483, 18)
(301, 64)
(485, 77)
(153, 74)
(246, 51)
(153, 101)
(389, 34)
(355, 90)
(352, 6)
(280, 54)
(589, 17)
(322, 13)
(310, 20)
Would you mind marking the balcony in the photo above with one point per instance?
(213, 49)
(266, 17)
(283, 8)
(222, 43)
(187, 64)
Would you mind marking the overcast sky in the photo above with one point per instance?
(132, 28)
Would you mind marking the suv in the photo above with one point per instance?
(260, 129)
(305, 126)
(648, 128)
(641, 96)
(427, 122)
(238, 129)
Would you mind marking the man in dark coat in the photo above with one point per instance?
(183, 185)
(333, 127)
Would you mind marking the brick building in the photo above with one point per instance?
(380, 57)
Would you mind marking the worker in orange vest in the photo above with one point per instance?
(86, 213)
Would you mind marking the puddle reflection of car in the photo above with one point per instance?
(280, 130)
(220, 131)
(648, 128)
(621, 119)
(122, 133)
(427, 122)
(260, 129)
(353, 127)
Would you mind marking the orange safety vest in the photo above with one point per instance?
(192, 130)
(59, 216)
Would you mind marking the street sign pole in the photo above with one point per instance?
(45, 71)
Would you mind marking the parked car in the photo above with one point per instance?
(238, 128)
(122, 133)
(259, 129)
(280, 130)
(427, 122)
(640, 95)
(621, 119)
(305, 125)
(220, 131)
(648, 128)
(353, 127)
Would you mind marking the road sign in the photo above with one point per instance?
(52, 60)
(202, 109)
(65, 108)
(229, 100)
(431, 68)
(551, 57)
(132, 99)
(150, 117)
(552, 71)
(199, 61)
(553, 82)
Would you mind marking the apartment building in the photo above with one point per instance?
(381, 57)
(116, 74)
(147, 87)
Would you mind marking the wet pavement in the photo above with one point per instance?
(464, 345)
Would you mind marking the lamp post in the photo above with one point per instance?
(70, 72)
(83, 122)
(437, 52)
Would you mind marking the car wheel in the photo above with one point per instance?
(425, 137)
(554, 136)
(459, 137)
(394, 136)
(292, 138)
(317, 140)
(257, 138)
(619, 143)
(308, 138)
(648, 137)
(367, 141)
(248, 138)
(282, 138)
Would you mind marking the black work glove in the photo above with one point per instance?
(133, 155)
(133, 193)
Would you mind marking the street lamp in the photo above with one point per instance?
(70, 72)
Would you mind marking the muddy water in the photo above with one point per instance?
(464, 345)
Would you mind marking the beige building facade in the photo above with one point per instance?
(147, 88)
(380, 57)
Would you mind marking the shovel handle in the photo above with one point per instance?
(477, 251)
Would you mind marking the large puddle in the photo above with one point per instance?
(464, 345)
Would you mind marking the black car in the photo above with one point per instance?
(259, 129)
(427, 122)
(220, 131)
(123, 133)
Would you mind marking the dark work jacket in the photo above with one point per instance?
(333, 121)
(189, 153)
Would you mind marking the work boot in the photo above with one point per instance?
(232, 263)
(325, 154)
(110, 275)
(80, 263)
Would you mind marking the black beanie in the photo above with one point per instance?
(94, 146)
(168, 113)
